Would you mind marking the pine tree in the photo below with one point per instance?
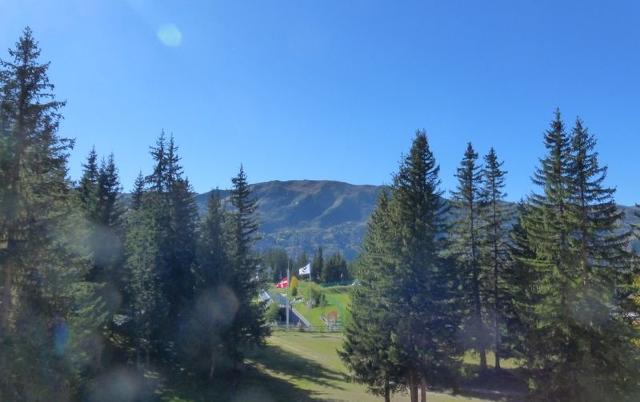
(42, 267)
(88, 186)
(422, 298)
(276, 261)
(520, 291)
(138, 192)
(582, 278)
(494, 234)
(466, 243)
(169, 212)
(146, 302)
(335, 269)
(367, 334)
(548, 227)
(317, 266)
(206, 338)
(605, 281)
(249, 326)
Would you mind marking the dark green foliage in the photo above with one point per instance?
(424, 339)
(44, 295)
(87, 190)
(496, 218)
(138, 192)
(410, 281)
(248, 327)
(317, 266)
(335, 270)
(276, 261)
(582, 278)
(465, 245)
(205, 340)
(368, 342)
(161, 249)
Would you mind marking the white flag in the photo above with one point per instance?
(306, 270)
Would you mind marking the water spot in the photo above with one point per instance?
(169, 35)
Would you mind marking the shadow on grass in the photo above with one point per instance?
(286, 363)
(254, 383)
(507, 385)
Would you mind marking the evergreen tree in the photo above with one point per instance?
(520, 290)
(602, 304)
(276, 261)
(466, 247)
(422, 297)
(204, 342)
(88, 187)
(43, 293)
(317, 266)
(582, 278)
(367, 334)
(169, 212)
(494, 234)
(138, 192)
(335, 269)
(249, 326)
(146, 303)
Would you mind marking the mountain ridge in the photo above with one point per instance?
(300, 215)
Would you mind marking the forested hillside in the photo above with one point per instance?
(301, 215)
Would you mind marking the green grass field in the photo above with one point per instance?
(305, 366)
(295, 366)
(337, 299)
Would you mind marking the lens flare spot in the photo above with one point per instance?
(169, 35)
(60, 337)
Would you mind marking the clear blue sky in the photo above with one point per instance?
(335, 89)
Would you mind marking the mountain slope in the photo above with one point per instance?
(301, 215)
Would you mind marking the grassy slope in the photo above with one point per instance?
(302, 366)
(337, 299)
(294, 366)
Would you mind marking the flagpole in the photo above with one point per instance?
(287, 293)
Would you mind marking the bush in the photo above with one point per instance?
(315, 296)
(273, 312)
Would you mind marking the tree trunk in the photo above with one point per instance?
(212, 365)
(6, 298)
(497, 345)
(423, 390)
(496, 290)
(413, 387)
(387, 393)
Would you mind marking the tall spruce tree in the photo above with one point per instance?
(367, 344)
(424, 338)
(138, 192)
(43, 292)
(249, 326)
(206, 338)
(602, 305)
(88, 186)
(547, 225)
(494, 234)
(335, 269)
(317, 266)
(582, 278)
(162, 254)
(466, 245)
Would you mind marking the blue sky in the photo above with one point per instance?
(335, 89)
